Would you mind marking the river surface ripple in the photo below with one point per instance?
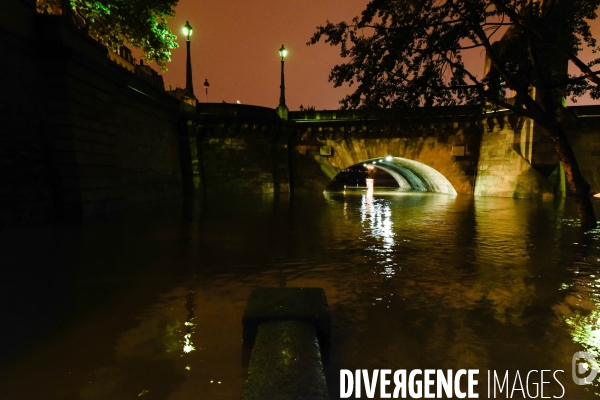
(149, 304)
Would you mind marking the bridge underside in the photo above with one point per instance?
(424, 164)
(413, 175)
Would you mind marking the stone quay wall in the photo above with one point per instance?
(80, 134)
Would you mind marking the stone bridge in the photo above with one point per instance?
(239, 148)
(96, 138)
(428, 149)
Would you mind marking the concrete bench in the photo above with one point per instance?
(286, 328)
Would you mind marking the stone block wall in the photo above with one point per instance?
(95, 136)
(149, 153)
(502, 170)
(113, 137)
(25, 179)
(583, 132)
(243, 150)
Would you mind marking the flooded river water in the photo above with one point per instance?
(149, 305)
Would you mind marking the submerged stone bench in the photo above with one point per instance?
(286, 328)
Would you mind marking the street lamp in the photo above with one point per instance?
(282, 53)
(206, 85)
(282, 109)
(189, 85)
(187, 30)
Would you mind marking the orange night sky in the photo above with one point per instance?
(235, 45)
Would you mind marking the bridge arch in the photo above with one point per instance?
(427, 163)
(413, 174)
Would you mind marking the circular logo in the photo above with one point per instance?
(579, 368)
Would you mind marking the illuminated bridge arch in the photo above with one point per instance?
(413, 174)
(424, 163)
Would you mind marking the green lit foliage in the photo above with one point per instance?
(142, 24)
(409, 53)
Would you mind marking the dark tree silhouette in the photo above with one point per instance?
(409, 53)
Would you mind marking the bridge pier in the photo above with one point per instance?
(238, 149)
(505, 168)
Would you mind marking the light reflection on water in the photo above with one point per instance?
(414, 280)
(581, 305)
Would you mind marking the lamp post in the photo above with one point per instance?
(189, 85)
(282, 53)
(282, 109)
(206, 85)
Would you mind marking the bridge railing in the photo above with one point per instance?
(585, 111)
(385, 114)
(243, 111)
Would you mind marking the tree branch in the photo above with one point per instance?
(583, 67)
(572, 80)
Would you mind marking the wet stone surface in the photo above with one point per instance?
(285, 363)
(307, 305)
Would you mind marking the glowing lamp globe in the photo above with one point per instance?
(187, 29)
(282, 52)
